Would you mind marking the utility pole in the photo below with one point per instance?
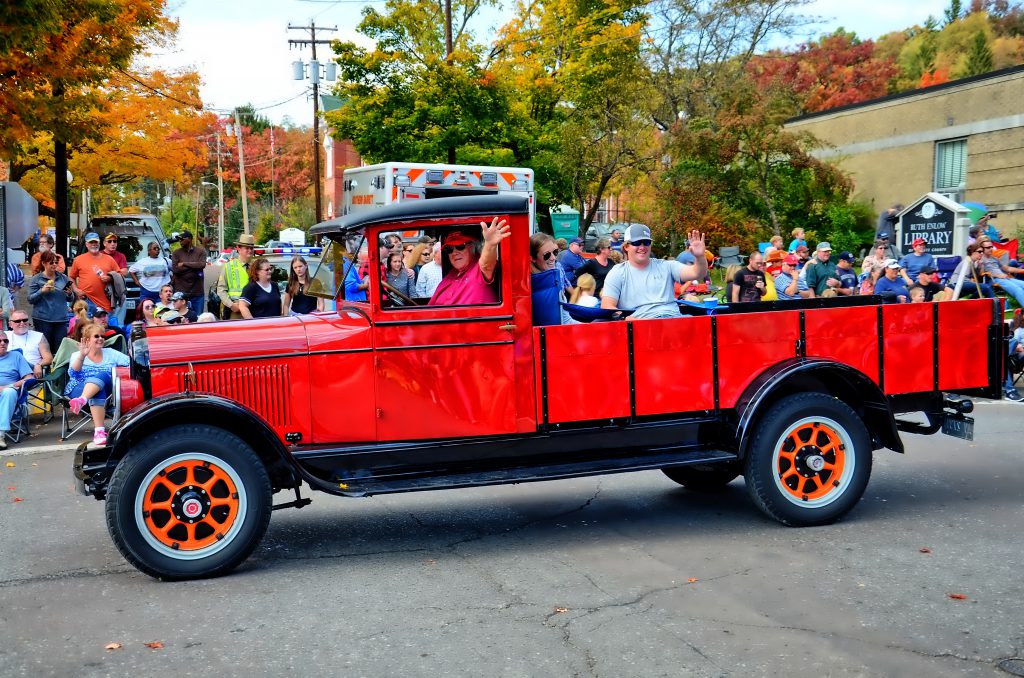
(241, 173)
(220, 201)
(448, 56)
(314, 76)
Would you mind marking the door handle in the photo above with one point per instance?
(510, 327)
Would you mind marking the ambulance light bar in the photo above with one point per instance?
(488, 178)
(435, 176)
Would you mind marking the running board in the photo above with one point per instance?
(361, 487)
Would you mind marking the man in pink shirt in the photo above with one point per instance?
(471, 277)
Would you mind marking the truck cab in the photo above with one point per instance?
(392, 394)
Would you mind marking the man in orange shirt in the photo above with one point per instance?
(90, 273)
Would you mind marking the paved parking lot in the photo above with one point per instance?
(621, 575)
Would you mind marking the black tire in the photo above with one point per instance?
(809, 461)
(703, 477)
(188, 502)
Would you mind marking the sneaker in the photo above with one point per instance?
(1012, 393)
(76, 404)
(99, 437)
(3, 440)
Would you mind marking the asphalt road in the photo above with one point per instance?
(622, 575)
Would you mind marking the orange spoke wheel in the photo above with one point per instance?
(188, 501)
(811, 461)
(190, 505)
(808, 460)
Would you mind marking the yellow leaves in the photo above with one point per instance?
(10, 464)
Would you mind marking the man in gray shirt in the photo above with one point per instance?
(646, 284)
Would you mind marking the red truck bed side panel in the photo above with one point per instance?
(750, 343)
(846, 335)
(673, 366)
(909, 360)
(963, 348)
(587, 372)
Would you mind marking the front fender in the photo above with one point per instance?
(841, 381)
(94, 466)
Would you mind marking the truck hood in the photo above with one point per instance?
(228, 340)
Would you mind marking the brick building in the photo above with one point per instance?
(338, 156)
(964, 139)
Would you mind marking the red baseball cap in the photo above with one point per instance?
(918, 241)
(457, 238)
(791, 260)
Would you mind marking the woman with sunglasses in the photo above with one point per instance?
(470, 278)
(49, 292)
(89, 377)
(147, 313)
(150, 273)
(261, 298)
(547, 282)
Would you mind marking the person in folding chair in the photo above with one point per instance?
(14, 372)
(89, 378)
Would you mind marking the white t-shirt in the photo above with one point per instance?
(588, 300)
(649, 290)
(153, 273)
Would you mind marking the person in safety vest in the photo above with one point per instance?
(234, 277)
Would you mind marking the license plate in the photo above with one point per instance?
(129, 303)
(958, 427)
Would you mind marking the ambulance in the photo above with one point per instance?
(374, 186)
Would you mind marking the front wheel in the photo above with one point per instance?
(809, 461)
(188, 502)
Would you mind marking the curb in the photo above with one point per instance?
(20, 450)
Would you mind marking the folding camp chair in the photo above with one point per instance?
(945, 266)
(57, 380)
(19, 418)
(727, 256)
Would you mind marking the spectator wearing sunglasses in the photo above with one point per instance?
(547, 282)
(14, 371)
(646, 284)
(430, 274)
(1001, 274)
(32, 344)
(471, 276)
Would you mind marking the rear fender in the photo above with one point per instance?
(208, 409)
(822, 376)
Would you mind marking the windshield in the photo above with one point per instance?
(338, 259)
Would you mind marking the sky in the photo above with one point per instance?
(240, 47)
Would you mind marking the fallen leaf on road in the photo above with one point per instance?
(691, 579)
(112, 646)
(17, 499)
(9, 464)
(925, 549)
(560, 610)
(154, 645)
(11, 487)
(957, 596)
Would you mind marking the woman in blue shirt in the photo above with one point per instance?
(89, 377)
(891, 287)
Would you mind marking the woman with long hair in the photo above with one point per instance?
(80, 309)
(49, 292)
(398, 275)
(146, 312)
(295, 300)
(547, 282)
(261, 298)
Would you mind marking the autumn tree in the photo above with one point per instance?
(836, 70)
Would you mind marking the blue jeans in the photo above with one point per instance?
(101, 379)
(8, 401)
(982, 290)
(196, 304)
(1013, 287)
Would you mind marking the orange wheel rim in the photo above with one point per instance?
(190, 504)
(811, 461)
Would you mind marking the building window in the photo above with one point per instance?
(951, 168)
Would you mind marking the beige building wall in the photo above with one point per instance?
(888, 145)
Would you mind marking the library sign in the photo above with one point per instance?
(932, 222)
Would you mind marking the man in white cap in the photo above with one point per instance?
(647, 284)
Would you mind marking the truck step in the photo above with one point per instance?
(360, 487)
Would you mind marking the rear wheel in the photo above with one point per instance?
(810, 460)
(188, 502)
(703, 477)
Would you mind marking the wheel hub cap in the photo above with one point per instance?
(190, 504)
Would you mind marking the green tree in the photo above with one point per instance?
(979, 58)
(953, 12)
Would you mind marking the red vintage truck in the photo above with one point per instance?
(395, 395)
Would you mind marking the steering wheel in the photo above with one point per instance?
(396, 297)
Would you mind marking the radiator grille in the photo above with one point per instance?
(262, 388)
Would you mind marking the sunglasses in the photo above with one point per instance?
(448, 249)
(19, 320)
(641, 243)
(4, 341)
(550, 253)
